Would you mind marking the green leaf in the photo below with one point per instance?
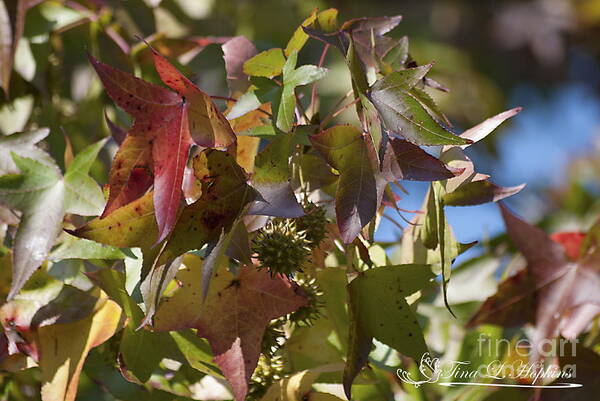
(378, 297)
(292, 78)
(142, 350)
(333, 282)
(271, 180)
(23, 144)
(359, 78)
(38, 192)
(196, 351)
(373, 124)
(246, 103)
(398, 55)
(402, 80)
(478, 192)
(83, 196)
(327, 20)
(378, 309)
(265, 64)
(403, 114)
(78, 248)
(134, 344)
(423, 97)
(431, 237)
(299, 37)
(262, 91)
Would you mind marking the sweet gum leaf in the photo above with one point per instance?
(233, 317)
(265, 64)
(378, 309)
(38, 192)
(343, 147)
(271, 180)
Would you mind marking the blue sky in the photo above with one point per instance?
(552, 129)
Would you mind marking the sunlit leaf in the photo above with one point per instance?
(223, 318)
(379, 310)
(265, 64)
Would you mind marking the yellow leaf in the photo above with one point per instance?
(64, 347)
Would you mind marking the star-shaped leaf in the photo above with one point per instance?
(378, 309)
(559, 287)
(23, 144)
(225, 194)
(403, 114)
(156, 148)
(271, 180)
(43, 196)
(233, 317)
(293, 77)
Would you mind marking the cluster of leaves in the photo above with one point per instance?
(201, 192)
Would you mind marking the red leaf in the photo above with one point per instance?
(130, 173)
(565, 294)
(158, 143)
(170, 153)
(208, 126)
(234, 316)
(571, 242)
(137, 97)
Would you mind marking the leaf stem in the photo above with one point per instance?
(230, 99)
(313, 93)
(338, 112)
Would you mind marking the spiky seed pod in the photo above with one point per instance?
(281, 248)
(268, 371)
(307, 315)
(273, 338)
(313, 223)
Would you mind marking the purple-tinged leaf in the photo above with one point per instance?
(117, 133)
(483, 129)
(560, 286)
(478, 192)
(236, 51)
(223, 318)
(407, 161)
(271, 180)
(344, 148)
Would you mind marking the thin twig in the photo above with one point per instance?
(338, 112)
(301, 109)
(313, 94)
(393, 221)
(230, 99)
